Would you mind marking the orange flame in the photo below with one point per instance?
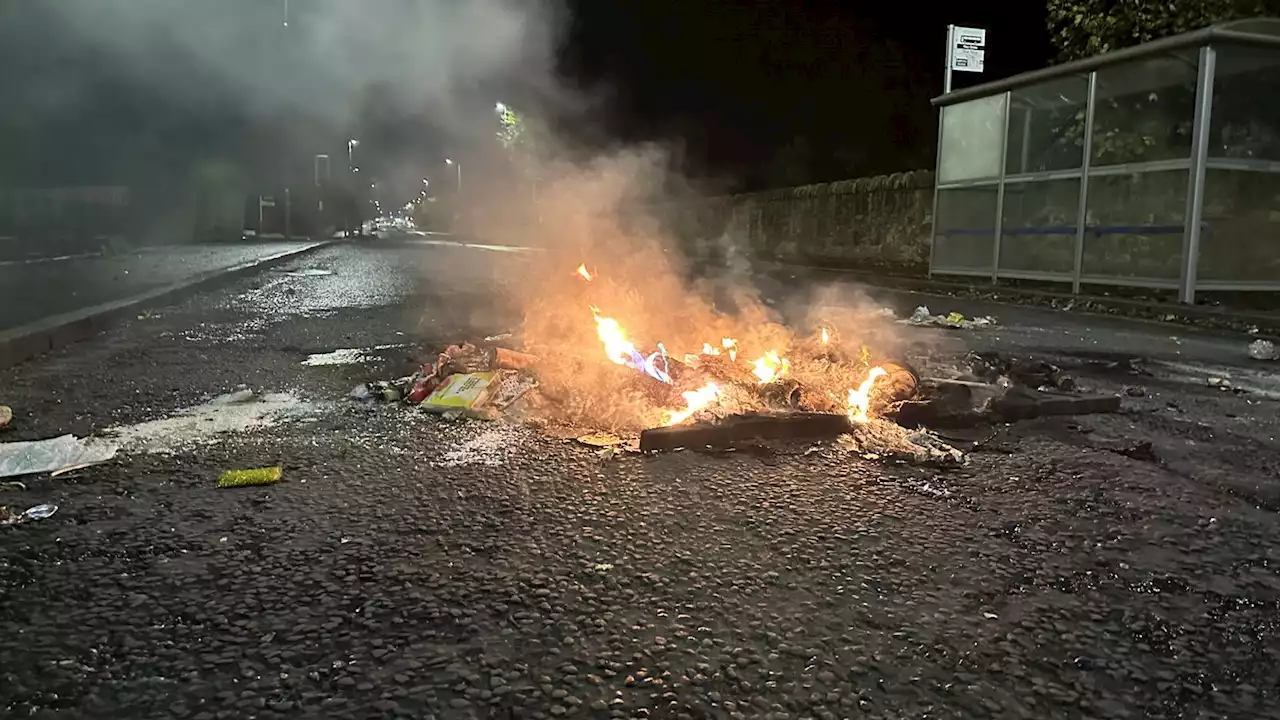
(696, 400)
(826, 337)
(732, 346)
(707, 349)
(770, 367)
(616, 346)
(860, 399)
(582, 270)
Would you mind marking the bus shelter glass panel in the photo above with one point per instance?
(1134, 226)
(972, 140)
(1246, 104)
(1046, 126)
(1240, 236)
(965, 228)
(1145, 109)
(1038, 234)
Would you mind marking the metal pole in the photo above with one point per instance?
(458, 165)
(288, 215)
(1086, 161)
(937, 164)
(1004, 152)
(1196, 175)
(951, 45)
(1025, 157)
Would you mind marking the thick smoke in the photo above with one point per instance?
(434, 56)
(447, 61)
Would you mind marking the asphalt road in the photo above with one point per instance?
(414, 568)
(34, 289)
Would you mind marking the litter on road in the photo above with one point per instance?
(211, 422)
(923, 318)
(38, 512)
(348, 356)
(614, 395)
(6, 416)
(1263, 350)
(32, 457)
(247, 478)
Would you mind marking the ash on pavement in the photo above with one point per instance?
(410, 567)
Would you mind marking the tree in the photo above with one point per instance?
(1081, 28)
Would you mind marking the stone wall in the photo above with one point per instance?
(876, 223)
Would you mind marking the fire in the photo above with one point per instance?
(730, 345)
(708, 349)
(860, 399)
(620, 350)
(770, 367)
(582, 270)
(616, 346)
(696, 400)
(826, 336)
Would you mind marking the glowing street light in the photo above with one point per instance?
(458, 167)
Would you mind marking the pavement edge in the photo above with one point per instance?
(28, 341)
(1161, 313)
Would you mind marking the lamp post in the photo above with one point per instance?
(458, 167)
(353, 207)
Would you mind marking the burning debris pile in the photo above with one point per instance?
(581, 373)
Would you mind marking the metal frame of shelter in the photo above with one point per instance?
(1206, 43)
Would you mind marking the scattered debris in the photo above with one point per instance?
(345, 356)
(348, 356)
(1143, 451)
(246, 478)
(6, 416)
(464, 392)
(38, 512)
(1219, 383)
(1263, 350)
(601, 439)
(242, 395)
(880, 438)
(1021, 403)
(211, 422)
(491, 447)
(743, 429)
(60, 453)
(379, 390)
(508, 387)
(923, 318)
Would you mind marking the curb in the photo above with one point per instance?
(1180, 314)
(27, 341)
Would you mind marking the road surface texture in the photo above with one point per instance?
(31, 290)
(416, 568)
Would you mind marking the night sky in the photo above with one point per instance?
(752, 94)
(777, 93)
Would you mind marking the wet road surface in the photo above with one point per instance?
(414, 568)
(31, 290)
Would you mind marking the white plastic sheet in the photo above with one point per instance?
(60, 453)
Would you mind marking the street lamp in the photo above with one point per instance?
(458, 167)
